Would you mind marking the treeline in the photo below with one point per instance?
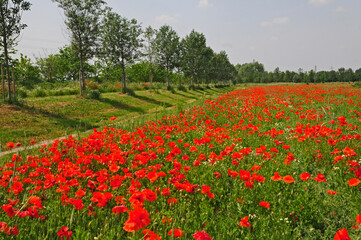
(255, 73)
(108, 47)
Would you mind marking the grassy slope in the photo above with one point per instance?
(52, 117)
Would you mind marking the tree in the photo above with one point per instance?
(194, 48)
(48, 66)
(26, 72)
(150, 50)
(167, 44)
(10, 28)
(248, 72)
(121, 41)
(83, 21)
(223, 70)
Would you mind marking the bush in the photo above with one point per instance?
(92, 94)
(39, 92)
(21, 93)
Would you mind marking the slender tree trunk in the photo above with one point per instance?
(13, 77)
(3, 82)
(82, 82)
(179, 79)
(124, 80)
(80, 88)
(168, 80)
(150, 79)
(192, 80)
(7, 71)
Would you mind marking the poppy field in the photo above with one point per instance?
(265, 162)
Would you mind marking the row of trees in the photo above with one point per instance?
(117, 43)
(105, 44)
(255, 73)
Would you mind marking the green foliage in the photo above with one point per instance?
(10, 27)
(121, 40)
(248, 72)
(194, 53)
(83, 20)
(167, 44)
(39, 92)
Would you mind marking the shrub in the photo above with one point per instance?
(39, 92)
(21, 93)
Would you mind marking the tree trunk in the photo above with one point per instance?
(82, 80)
(179, 79)
(13, 77)
(124, 84)
(3, 82)
(150, 79)
(168, 81)
(7, 66)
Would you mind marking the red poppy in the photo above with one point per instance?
(358, 218)
(276, 177)
(320, 178)
(288, 179)
(264, 204)
(244, 222)
(10, 145)
(64, 233)
(176, 233)
(138, 218)
(201, 235)
(304, 176)
(119, 209)
(353, 182)
(150, 235)
(342, 235)
(171, 201)
(331, 192)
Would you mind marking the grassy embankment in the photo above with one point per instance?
(52, 117)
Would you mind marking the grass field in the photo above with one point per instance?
(51, 117)
(264, 162)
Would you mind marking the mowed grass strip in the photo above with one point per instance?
(52, 117)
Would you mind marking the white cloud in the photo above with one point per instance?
(340, 9)
(167, 19)
(204, 4)
(275, 21)
(319, 2)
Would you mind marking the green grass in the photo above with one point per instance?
(55, 116)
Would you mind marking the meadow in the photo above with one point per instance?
(262, 162)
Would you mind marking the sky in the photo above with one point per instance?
(289, 34)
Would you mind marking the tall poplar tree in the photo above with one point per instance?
(83, 19)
